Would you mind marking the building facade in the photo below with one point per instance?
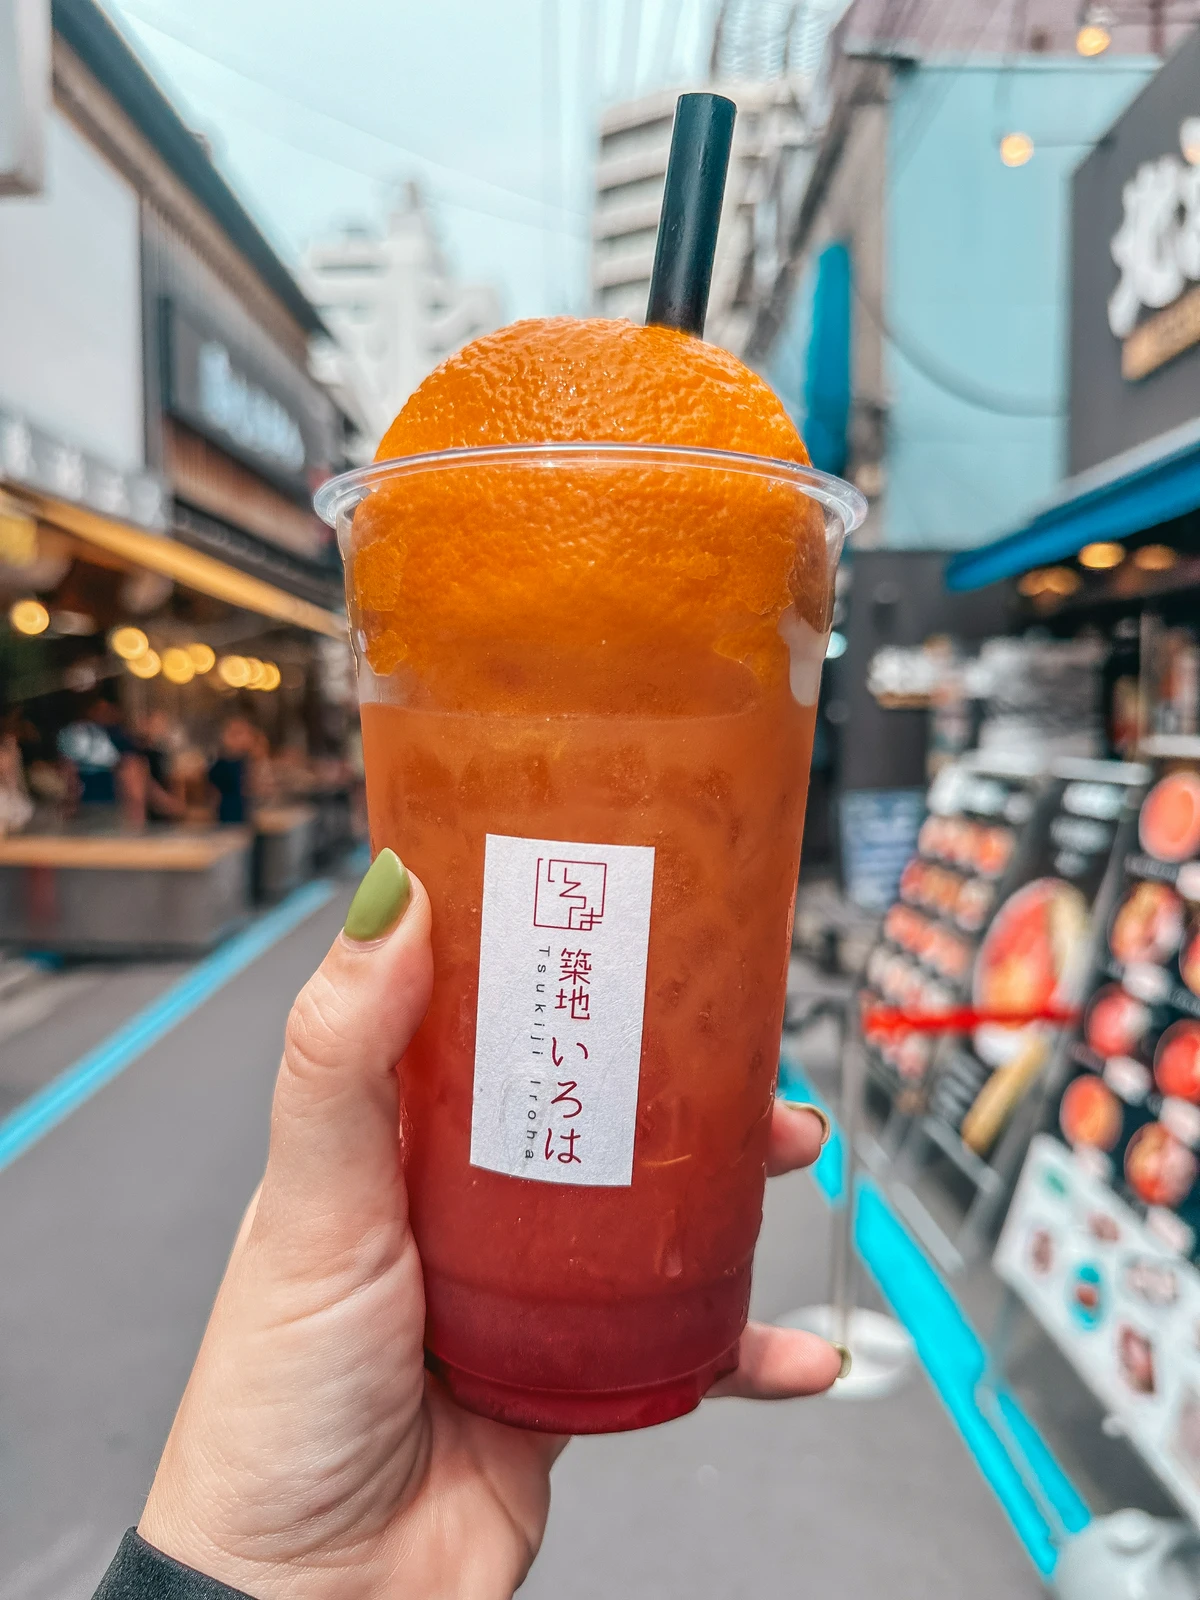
(394, 310)
(772, 148)
(918, 329)
(160, 432)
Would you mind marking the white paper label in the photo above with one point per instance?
(562, 988)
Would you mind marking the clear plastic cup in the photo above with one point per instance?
(588, 731)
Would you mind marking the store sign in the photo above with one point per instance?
(1135, 271)
(225, 394)
(24, 94)
(233, 403)
(31, 458)
(1157, 248)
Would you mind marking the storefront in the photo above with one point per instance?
(1118, 548)
(1053, 903)
(173, 605)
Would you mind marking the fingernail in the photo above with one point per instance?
(380, 900)
(821, 1116)
(847, 1362)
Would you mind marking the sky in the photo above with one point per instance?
(317, 110)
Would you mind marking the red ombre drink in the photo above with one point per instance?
(602, 787)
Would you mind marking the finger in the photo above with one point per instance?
(782, 1364)
(335, 1147)
(798, 1133)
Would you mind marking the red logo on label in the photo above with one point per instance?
(570, 894)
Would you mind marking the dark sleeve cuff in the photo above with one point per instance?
(140, 1572)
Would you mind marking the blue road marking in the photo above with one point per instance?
(35, 1117)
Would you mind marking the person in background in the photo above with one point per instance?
(153, 742)
(92, 751)
(16, 808)
(229, 774)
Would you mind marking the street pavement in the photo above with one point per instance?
(113, 1235)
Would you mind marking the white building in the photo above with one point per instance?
(395, 311)
(760, 59)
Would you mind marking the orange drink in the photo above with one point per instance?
(588, 675)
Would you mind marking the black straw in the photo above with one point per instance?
(691, 211)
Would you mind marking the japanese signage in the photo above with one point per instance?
(1157, 249)
(224, 393)
(562, 983)
(1120, 1304)
(34, 459)
(1103, 1237)
(1135, 301)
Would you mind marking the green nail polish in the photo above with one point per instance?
(380, 900)
(821, 1116)
(847, 1362)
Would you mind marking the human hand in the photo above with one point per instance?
(312, 1455)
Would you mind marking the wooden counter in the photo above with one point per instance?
(173, 891)
(283, 849)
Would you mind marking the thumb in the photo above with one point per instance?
(334, 1162)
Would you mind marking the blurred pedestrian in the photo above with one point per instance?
(155, 738)
(229, 774)
(312, 1454)
(16, 808)
(91, 750)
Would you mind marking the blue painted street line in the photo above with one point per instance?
(43, 1111)
(954, 1357)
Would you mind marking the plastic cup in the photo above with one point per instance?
(584, 735)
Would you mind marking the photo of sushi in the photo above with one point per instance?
(1147, 925)
(1115, 1023)
(1158, 1167)
(1090, 1114)
(1169, 824)
(1177, 1061)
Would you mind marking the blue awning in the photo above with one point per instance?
(1135, 491)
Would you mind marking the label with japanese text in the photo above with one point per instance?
(562, 988)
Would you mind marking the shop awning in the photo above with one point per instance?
(1129, 494)
(187, 566)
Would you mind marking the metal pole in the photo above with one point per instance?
(842, 1264)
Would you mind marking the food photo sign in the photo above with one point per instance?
(968, 856)
(1103, 1236)
(1037, 948)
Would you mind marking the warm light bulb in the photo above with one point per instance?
(1032, 584)
(271, 676)
(1060, 581)
(203, 656)
(234, 670)
(1016, 149)
(1101, 556)
(1093, 39)
(146, 665)
(129, 643)
(29, 616)
(1155, 558)
(178, 666)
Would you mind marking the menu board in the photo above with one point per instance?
(968, 855)
(1130, 1103)
(1102, 1240)
(1037, 947)
(1123, 1307)
(878, 827)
